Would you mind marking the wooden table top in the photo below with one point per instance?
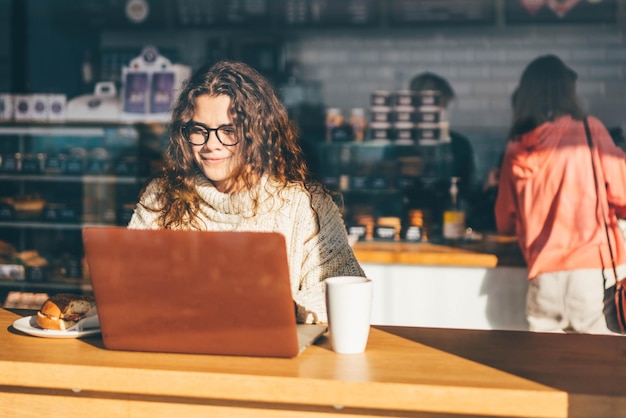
(405, 371)
(421, 253)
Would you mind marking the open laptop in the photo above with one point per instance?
(225, 293)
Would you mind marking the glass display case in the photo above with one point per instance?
(54, 180)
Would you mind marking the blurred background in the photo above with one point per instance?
(341, 50)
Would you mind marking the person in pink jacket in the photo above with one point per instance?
(547, 197)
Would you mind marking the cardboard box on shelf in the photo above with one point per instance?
(6, 107)
(150, 84)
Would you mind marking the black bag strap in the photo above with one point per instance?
(600, 202)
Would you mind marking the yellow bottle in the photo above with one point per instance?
(454, 215)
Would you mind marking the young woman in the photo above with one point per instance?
(548, 197)
(234, 163)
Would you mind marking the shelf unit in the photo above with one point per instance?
(382, 168)
(383, 181)
(83, 175)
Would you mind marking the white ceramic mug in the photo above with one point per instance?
(349, 306)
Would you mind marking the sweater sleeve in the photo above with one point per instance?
(327, 253)
(142, 217)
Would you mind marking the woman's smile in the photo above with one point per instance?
(214, 158)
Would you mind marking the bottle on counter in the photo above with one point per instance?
(388, 228)
(454, 215)
(334, 121)
(345, 168)
(357, 124)
(87, 72)
(418, 222)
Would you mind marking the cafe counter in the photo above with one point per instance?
(489, 252)
(475, 285)
(425, 372)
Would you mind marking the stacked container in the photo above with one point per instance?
(381, 116)
(408, 117)
(432, 125)
(404, 121)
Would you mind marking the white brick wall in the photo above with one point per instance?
(482, 64)
(478, 65)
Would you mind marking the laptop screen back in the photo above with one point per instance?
(192, 292)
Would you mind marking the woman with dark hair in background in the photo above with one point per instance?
(548, 197)
(234, 163)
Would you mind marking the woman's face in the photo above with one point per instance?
(216, 160)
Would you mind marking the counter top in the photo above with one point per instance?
(485, 253)
(403, 372)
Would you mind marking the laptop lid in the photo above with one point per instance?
(194, 292)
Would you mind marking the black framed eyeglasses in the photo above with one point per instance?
(197, 133)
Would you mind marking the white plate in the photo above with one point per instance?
(28, 325)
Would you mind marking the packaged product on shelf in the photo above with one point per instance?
(73, 267)
(11, 163)
(101, 106)
(404, 98)
(150, 82)
(34, 264)
(417, 225)
(76, 160)
(23, 107)
(404, 132)
(382, 114)
(358, 124)
(33, 163)
(136, 93)
(359, 180)
(7, 210)
(6, 107)
(430, 114)
(362, 224)
(404, 114)
(60, 212)
(427, 98)
(381, 98)
(388, 228)
(55, 163)
(56, 107)
(12, 272)
(39, 107)
(98, 161)
(162, 92)
(381, 131)
(428, 133)
(334, 121)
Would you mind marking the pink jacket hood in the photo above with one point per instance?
(535, 148)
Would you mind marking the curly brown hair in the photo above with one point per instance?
(268, 142)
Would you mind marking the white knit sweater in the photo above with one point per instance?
(313, 254)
